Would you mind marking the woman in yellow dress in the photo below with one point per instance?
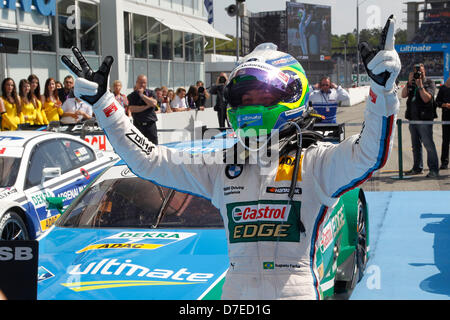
(52, 104)
(41, 117)
(10, 104)
(28, 112)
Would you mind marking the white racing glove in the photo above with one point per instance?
(92, 87)
(383, 63)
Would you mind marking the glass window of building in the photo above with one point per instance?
(198, 47)
(89, 28)
(154, 39)
(140, 36)
(189, 46)
(67, 23)
(127, 31)
(45, 43)
(178, 44)
(166, 44)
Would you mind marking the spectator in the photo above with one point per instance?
(165, 105)
(326, 99)
(41, 118)
(170, 95)
(59, 85)
(419, 107)
(159, 98)
(221, 103)
(52, 104)
(191, 97)
(203, 95)
(142, 104)
(120, 97)
(10, 105)
(178, 104)
(64, 93)
(75, 110)
(443, 101)
(27, 108)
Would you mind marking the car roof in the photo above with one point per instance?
(18, 138)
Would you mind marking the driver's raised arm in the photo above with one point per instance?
(166, 167)
(342, 167)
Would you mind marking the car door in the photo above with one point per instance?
(51, 154)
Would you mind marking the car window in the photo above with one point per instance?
(138, 203)
(131, 202)
(48, 154)
(189, 211)
(9, 169)
(78, 153)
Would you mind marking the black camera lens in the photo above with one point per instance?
(222, 80)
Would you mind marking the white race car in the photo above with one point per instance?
(35, 165)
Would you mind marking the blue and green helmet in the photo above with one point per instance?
(268, 89)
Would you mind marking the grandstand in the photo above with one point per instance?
(428, 21)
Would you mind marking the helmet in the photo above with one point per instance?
(265, 91)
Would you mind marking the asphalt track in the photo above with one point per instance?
(409, 247)
(409, 225)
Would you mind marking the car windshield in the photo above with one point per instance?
(9, 168)
(136, 203)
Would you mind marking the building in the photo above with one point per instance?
(428, 21)
(163, 39)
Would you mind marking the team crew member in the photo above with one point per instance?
(143, 106)
(326, 99)
(277, 261)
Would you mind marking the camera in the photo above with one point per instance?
(222, 80)
(201, 90)
(417, 72)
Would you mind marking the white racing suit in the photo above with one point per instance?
(270, 258)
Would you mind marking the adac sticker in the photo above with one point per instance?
(286, 169)
(137, 240)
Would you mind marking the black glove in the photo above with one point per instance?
(100, 77)
(368, 53)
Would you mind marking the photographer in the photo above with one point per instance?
(221, 103)
(203, 95)
(420, 107)
(443, 101)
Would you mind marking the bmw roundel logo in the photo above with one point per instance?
(233, 171)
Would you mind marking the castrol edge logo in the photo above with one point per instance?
(262, 212)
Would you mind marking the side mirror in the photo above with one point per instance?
(49, 173)
(56, 203)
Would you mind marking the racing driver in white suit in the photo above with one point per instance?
(274, 217)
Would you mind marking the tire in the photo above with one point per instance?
(12, 227)
(360, 260)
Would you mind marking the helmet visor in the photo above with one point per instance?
(260, 85)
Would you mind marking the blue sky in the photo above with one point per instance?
(343, 13)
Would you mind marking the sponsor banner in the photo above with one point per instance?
(136, 275)
(264, 221)
(137, 241)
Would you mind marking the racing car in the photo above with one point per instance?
(35, 165)
(128, 238)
